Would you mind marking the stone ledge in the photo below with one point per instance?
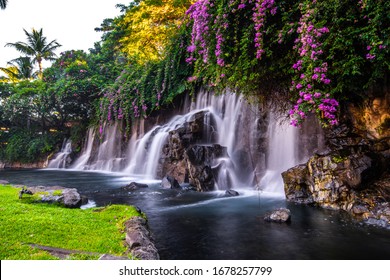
(139, 239)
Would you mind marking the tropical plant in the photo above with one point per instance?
(3, 4)
(37, 48)
(19, 69)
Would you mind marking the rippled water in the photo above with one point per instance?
(189, 225)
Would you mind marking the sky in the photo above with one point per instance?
(70, 22)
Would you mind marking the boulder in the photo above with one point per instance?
(169, 182)
(199, 159)
(281, 215)
(71, 198)
(3, 182)
(231, 193)
(66, 197)
(134, 186)
(139, 239)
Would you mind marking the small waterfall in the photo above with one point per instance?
(108, 156)
(282, 153)
(144, 154)
(61, 159)
(82, 162)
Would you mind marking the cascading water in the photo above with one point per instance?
(82, 162)
(108, 156)
(61, 159)
(229, 121)
(282, 147)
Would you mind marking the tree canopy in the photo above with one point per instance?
(309, 55)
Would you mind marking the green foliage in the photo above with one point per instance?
(27, 147)
(98, 230)
(148, 56)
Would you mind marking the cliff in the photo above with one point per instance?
(353, 174)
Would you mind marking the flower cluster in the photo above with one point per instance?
(114, 107)
(259, 13)
(222, 24)
(311, 75)
(198, 12)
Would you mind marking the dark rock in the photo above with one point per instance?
(199, 159)
(134, 186)
(84, 200)
(139, 240)
(169, 182)
(281, 215)
(231, 193)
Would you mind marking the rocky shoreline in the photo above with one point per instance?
(354, 173)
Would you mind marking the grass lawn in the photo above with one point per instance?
(23, 222)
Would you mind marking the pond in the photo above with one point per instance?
(188, 225)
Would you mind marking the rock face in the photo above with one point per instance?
(199, 161)
(353, 175)
(139, 240)
(186, 160)
(281, 215)
(169, 182)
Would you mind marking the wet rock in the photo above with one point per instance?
(231, 193)
(199, 159)
(281, 215)
(169, 182)
(139, 239)
(134, 186)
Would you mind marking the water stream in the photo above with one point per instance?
(60, 160)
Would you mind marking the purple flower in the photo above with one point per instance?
(191, 48)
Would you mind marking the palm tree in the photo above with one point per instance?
(36, 47)
(3, 4)
(20, 69)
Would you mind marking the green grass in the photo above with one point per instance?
(22, 222)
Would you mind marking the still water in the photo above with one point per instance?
(188, 225)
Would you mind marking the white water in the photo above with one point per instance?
(82, 162)
(282, 154)
(60, 159)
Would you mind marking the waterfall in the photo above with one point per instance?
(282, 153)
(256, 143)
(61, 159)
(82, 162)
(144, 153)
(108, 155)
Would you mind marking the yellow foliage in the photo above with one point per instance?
(149, 25)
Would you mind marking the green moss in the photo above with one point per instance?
(57, 193)
(338, 159)
(98, 230)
